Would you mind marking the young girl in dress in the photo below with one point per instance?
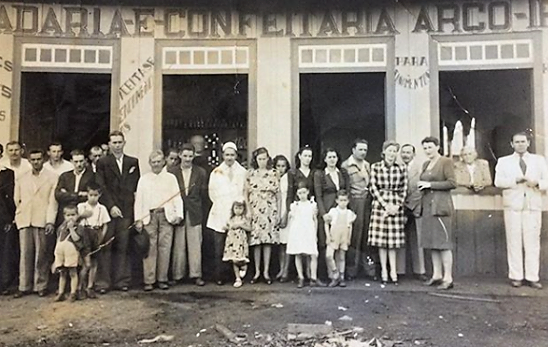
(236, 245)
(281, 164)
(302, 238)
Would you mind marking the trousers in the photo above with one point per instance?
(187, 249)
(33, 260)
(358, 250)
(160, 232)
(411, 248)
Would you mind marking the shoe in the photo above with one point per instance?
(59, 297)
(124, 289)
(394, 281)
(82, 295)
(516, 284)
(536, 285)
(42, 293)
(91, 293)
(172, 283)
(163, 286)
(300, 283)
(19, 294)
(199, 282)
(219, 282)
(317, 283)
(148, 287)
(445, 286)
(284, 279)
(255, 280)
(6, 292)
(333, 283)
(268, 280)
(102, 291)
(73, 297)
(384, 281)
(238, 283)
(342, 283)
(422, 277)
(432, 282)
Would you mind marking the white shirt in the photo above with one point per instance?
(157, 191)
(334, 176)
(471, 170)
(23, 168)
(77, 179)
(99, 215)
(186, 177)
(65, 166)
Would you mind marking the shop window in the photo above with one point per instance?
(337, 108)
(73, 109)
(483, 109)
(213, 106)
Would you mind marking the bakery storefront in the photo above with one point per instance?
(281, 77)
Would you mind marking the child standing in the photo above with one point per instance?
(94, 219)
(236, 245)
(282, 166)
(338, 233)
(67, 255)
(302, 240)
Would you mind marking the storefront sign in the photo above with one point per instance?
(133, 90)
(6, 67)
(411, 72)
(71, 21)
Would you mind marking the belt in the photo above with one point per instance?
(157, 210)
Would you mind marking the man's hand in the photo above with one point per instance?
(138, 225)
(115, 212)
(477, 187)
(49, 228)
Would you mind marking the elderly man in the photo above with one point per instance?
(14, 160)
(226, 185)
(95, 153)
(117, 174)
(358, 170)
(158, 207)
(8, 236)
(412, 212)
(524, 178)
(187, 245)
(56, 163)
(35, 218)
(471, 172)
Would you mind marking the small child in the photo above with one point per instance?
(302, 239)
(94, 219)
(69, 242)
(236, 245)
(338, 233)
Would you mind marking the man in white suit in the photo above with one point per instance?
(522, 176)
(226, 185)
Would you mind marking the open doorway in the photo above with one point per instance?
(483, 109)
(337, 108)
(71, 108)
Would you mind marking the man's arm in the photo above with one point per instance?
(63, 193)
(503, 179)
(102, 179)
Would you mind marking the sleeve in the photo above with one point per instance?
(502, 177)
(346, 180)
(332, 213)
(543, 181)
(105, 217)
(449, 175)
(213, 190)
(318, 191)
(66, 196)
(52, 203)
(373, 186)
(7, 188)
(486, 179)
(352, 217)
(403, 192)
(81, 208)
(139, 200)
(17, 193)
(176, 199)
(290, 188)
(101, 178)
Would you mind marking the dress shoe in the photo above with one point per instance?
(342, 283)
(516, 284)
(268, 280)
(124, 288)
(433, 282)
(91, 293)
(73, 297)
(163, 286)
(219, 282)
(421, 277)
(199, 282)
(59, 297)
(333, 283)
(255, 280)
(536, 285)
(238, 283)
(82, 295)
(148, 287)
(42, 293)
(6, 292)
(445, 286)
(284, 279)
(317, 283)
(102, 291)
(19, 294)
(300, 283)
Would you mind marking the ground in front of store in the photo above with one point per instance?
(477, 312)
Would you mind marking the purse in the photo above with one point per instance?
(142, 243)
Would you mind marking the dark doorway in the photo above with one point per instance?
(73, 109)
(500, 102)
(337, 108)
(214, 106)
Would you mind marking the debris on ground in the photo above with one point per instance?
(228, 334)
(278, 305)
(346, 318)
(342, 308)
(464, 297)
(307, 331)
(159, 338)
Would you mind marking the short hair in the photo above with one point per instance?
(156, 153)
(281, 157)
(322, 164)
(468, 148)
(187, 147)
(409, 145)
(358, 141)
(522, 133)
(299, 152)
(172, 150)
(36, 151)
(1, 149)
(14, 142)
(116, 133)
(256, 153)
(390, 143)
(94, 186)
(77, 152)
(70, 207)
(342, 192)
(95, 148)
(55, 144)
(431, 139)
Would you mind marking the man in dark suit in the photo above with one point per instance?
(187, 244)
(71, 187)
(117, 174)
(8, 235)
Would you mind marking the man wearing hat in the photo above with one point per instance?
(226, 185)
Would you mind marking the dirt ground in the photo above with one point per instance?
(408, 314)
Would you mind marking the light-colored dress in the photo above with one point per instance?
(283, 189)
(302, 237)
(236, 245)
(263, 203)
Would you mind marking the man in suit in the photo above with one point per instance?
(523, 177)
(35, 218)
(187, 244)
(471, 172)
(8, 236)
(71, 187)
(95, 153)
(412, 212)
(117, 174)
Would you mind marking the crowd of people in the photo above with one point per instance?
(92, 219)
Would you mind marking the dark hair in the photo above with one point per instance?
(281, 157)
(389, 143)
(299, 152)
(431, 139)
(342, 192)
(116, 133)
(35, 151)
(55, 144)
(14, 142)
(70, 207)
(93, 186)
(323, 165)
(409, 145)
(522, 133)
(77, 152)
(236, 204)
(187, 147)
(172, 150)
(95, 148)
(358, 141)
(256, 153)
(300, 185)
(1, 149)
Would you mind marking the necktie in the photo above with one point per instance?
(522, 165)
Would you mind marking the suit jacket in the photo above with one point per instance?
(35, 199)
(414, 195)
(442, 180)
(197, 192)
(520, 197)
(64, 192)
(482, 175)
(326, 191)
(7, 205)
(118, 188)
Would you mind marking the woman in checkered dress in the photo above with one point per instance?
(386, 228)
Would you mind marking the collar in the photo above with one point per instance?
(352, 161)
(80, 174)
(525, 155)
(327, 172)
(121, 157)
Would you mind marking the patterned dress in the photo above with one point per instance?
(236, 245)
(263, 190)
(388, 186)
